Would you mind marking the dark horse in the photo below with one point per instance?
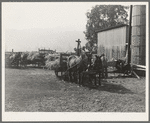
(92, 71)
(98, 63)
(101, 63)
(97, 68)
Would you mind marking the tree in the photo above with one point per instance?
(103, 16)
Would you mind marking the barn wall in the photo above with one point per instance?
(113, 43)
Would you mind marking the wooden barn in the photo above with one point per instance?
(113, 41)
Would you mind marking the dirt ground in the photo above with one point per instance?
(38, 90)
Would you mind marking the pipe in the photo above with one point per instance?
(129, 43)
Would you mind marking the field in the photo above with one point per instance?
(38, 90)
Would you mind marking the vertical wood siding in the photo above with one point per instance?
(112, 43)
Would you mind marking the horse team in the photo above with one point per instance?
(75, 64)
(23, 59)
(79, 64)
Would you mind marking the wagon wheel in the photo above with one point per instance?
(65, 76)
(39, 64)
(56, 72)
(91, 80)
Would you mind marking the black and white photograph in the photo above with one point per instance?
(75, 61)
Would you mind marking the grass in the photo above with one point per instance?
(38, 90)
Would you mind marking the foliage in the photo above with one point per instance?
(103, 16)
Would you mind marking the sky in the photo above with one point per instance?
(50, 25)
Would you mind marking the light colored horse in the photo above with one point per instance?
(73, 60)
(77, 64)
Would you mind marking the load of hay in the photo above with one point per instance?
(33, 55)
(52, 61)
(36, 58)
(24, 55)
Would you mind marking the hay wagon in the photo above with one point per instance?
(62, 69)
(78, 76)
(62, 65)
(63, 72)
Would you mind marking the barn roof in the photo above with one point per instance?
(112, 27)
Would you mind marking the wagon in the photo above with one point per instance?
(62, 64)
(63, 72)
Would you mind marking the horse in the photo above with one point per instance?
(101, 64)
(24, 60)
(94, 68)
(98, 63)
(77, 64)
(15, 58)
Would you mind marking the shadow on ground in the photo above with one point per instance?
(110, 87)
